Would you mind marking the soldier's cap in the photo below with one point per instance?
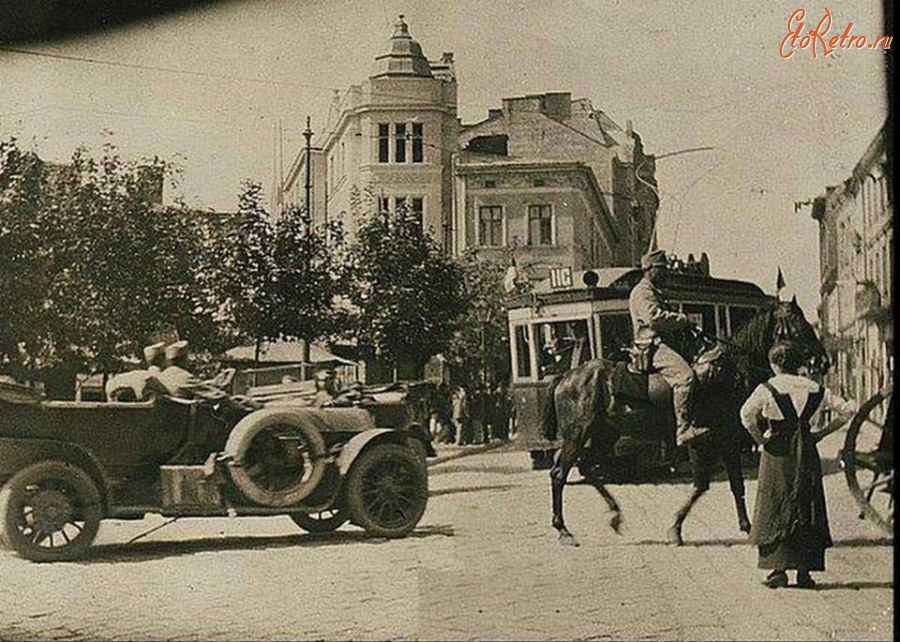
(153, 352)
(656, 258)
(177, 349)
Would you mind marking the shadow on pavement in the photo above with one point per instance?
(861, 542)
(699, 542)
(856, 586)
(145, 551)
(469, 489)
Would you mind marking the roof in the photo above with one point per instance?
(617, 282)
(284, 352)
(405, 58)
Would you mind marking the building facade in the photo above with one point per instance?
(390, 140)
(554, 179)
(547, 180)
(856, 262)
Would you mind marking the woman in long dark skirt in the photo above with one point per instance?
(790, 524)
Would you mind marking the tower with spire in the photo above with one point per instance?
(393, 135)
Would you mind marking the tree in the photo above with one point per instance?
(480, 347)
(277, 280)
(309, 276)
(96, 264)
(408, 296)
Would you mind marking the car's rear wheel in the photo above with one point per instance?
(387, 490)
(50, 512)
(277, 457)
(324, 521)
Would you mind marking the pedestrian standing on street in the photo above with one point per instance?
(461, 415)
(790, 524)
(500, 428)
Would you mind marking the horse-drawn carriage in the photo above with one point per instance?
(867, 458)
(65, 466)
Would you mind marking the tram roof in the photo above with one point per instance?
(617, 282)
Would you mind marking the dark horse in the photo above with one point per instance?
(586, 410)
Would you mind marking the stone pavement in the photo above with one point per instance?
(483, 564)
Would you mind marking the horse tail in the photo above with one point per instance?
(550, 422)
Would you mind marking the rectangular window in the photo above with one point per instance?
(418, 143)
(739, 316)
(562, 345)
(490, 225)
(540, 225)
(418, 208)
(703, 316)
(615, 335)
(523, 352)
(490, 184)
(400, 147)
(384, 142)
(384, 204)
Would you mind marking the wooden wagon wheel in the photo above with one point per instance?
(867, 460)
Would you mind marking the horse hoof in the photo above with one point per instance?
(616, 523)
(673, 536)
(744, 526)
(567, 539)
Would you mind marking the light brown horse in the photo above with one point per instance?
(582, 410)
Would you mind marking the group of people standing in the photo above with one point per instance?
(461, 418)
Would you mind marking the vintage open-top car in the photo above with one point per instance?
(65, 466)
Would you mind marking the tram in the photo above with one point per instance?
(573, 317)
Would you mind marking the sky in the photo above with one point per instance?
(210, 89)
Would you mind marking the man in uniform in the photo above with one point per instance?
(652, 321)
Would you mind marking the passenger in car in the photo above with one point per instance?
(140, 384)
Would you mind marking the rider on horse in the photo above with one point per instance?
(652, 322)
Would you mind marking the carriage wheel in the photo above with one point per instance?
(867, 460)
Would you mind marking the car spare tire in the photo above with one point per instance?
(276, 456)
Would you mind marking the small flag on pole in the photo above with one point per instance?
(779, 281)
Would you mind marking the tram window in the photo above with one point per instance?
(740, 315)
(704, 316)
(615, 335)
(720, 318)
(523, 352)
(561, 345)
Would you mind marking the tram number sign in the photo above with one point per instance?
(560, 277)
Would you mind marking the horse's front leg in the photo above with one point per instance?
(673, 535)
(731, 457)
(701, 467)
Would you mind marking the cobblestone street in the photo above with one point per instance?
(483, 564)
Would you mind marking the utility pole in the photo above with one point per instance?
(307, 134)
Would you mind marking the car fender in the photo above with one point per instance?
(357, 443)
(16, 454)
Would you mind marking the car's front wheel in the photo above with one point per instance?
(387, 490)
(50, 512)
